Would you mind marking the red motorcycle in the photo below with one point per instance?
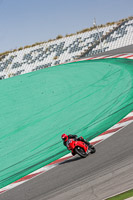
(80, 148)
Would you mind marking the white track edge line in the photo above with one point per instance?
(13, 185)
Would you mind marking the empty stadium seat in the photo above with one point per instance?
(65, 49)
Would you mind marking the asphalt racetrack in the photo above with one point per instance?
(105, 173)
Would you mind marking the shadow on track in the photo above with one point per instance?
(71, 160)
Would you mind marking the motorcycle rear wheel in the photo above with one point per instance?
(81, 152)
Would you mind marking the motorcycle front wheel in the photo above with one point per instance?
(81, 152)
(93, 150)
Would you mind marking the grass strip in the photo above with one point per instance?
(122, 196)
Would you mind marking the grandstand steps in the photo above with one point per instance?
(119, 24)
(66, 49)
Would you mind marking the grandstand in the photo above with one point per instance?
(121, 37)
(66, 49)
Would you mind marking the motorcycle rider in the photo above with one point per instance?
(66, 137)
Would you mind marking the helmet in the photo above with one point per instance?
(64, 137)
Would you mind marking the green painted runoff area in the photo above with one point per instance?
(83, 98)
